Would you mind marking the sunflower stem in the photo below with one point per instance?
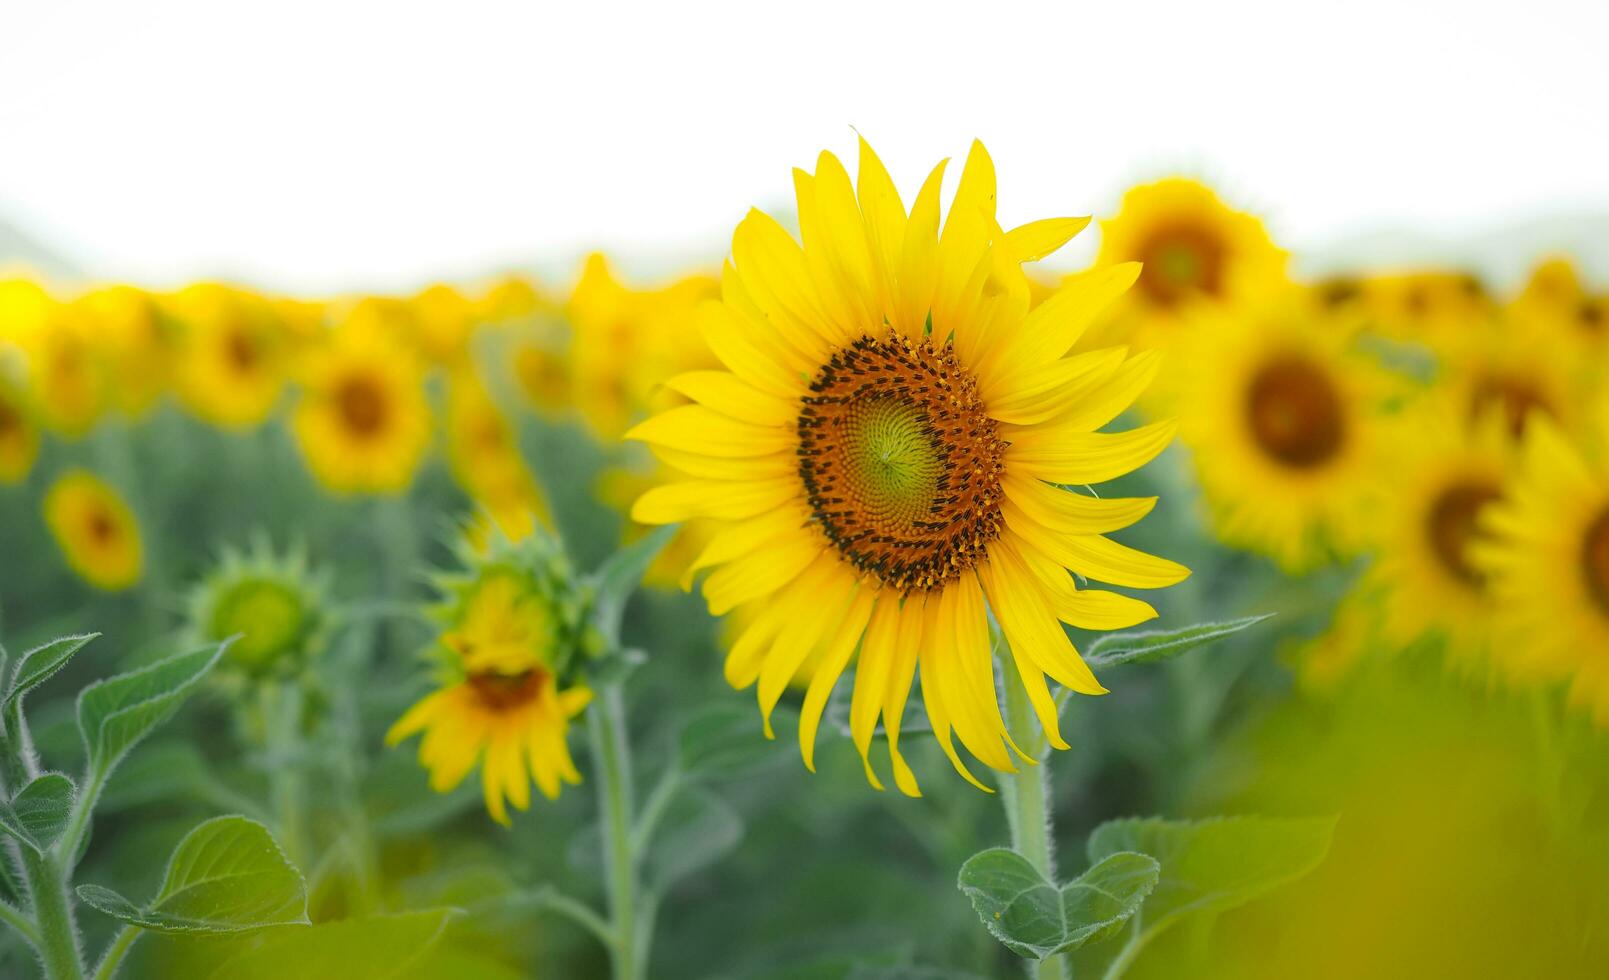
(53, 911)
(1025, 794)
(606, 723)
(281, 708)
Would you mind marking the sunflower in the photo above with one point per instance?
(1548, 562)
(885, 455)
(1282, 420)
(235, 355)
(1429, 306)
(19, 435)
(625, 341)
(443, 321)
(1556, 300)
(68, 370)
(363, 421)
(1515, 367)
(511, 298)
(95, 529)
(512, 640)
(141, 340)
(1445, 471)
(1194, 250)
(272, 603)
(484, 456)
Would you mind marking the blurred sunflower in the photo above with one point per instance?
(624, 342)
(1444, 471)
(1193, 250)
(141, 340)
(19, 435)
(68, 370)
(1282, 421)
(511, 642)
(1548, 562)
(484, 456)
(235, 355)
(1432, 306)
(95, 530)
(363, 421)
(443, 321)
(1515, 367)
(886, 452)
(1558, 301)
(510, 298)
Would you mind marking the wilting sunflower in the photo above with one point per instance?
(509, 652)
(95, 529)
(1194, 251)
(1548, 561)
(1282, 421)
(235, 354)
(1444, 470)
(363, 421)
(272, 603)
(887, 451)
(19, 434)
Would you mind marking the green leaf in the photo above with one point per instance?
(1035, 918)
(864, 971)
(41, 663)
(378, 947)
(726, 740)
(227, 875)
(619, 575)
(697, 830)
(1150, 646)
(115, 713)
(39, 811)
(1214, 865)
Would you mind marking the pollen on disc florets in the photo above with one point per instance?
(900, 461)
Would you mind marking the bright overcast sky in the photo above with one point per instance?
(327, 145)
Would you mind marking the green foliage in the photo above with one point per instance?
(620, 574)
(41, 663)
(697, 830)
(38, 813)
(1150, 646)
(1035, 918)
(226, 875)
(374, 948)
(724, 741)
(114, 714)
(1215, 865)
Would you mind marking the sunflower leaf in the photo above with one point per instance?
(723, 741)
(1150, 646)
(36, 815)
(1212, 865)
(697, 830)
(1035, 918)
(226, 875)
(115, 713)
(41, 663)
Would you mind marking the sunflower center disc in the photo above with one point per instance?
(102, 529)
(10, 421)
(900, 462)
(1517, 397)
(361, 404)
(1295, 413)
(1595, 560)
(241, 350)
(1179, 261)
(499, 692)
(1451, 526)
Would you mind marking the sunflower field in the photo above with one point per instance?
(873, 604)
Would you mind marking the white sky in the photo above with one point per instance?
(324, 145)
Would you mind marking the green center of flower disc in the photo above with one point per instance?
(900, 461)
(1295, 414)
(892, 463)
(1595, 560)
(268, 616)
(1451, 525)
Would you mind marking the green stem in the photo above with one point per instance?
(115, 953)
(611, 754)
(53, 911)
(1024, 794)
(281, 704)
